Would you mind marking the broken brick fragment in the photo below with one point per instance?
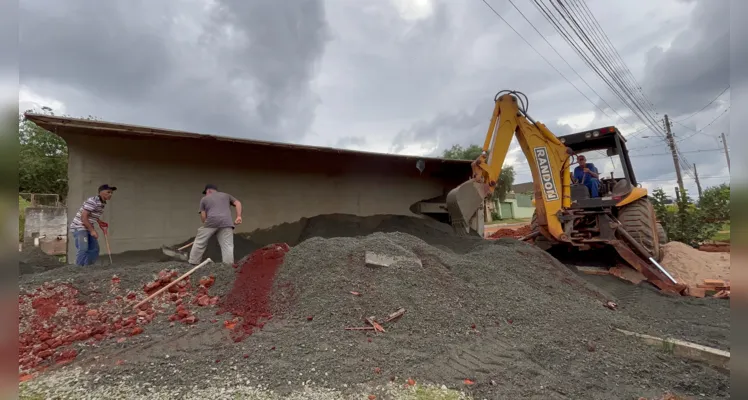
(207, 281)
(66, 356)
(151, 287)
(136, 331)
(202, 301)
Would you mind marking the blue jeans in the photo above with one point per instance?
(592, 186)
(87, 247)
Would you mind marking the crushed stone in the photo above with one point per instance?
(33, 260)
(503, 314)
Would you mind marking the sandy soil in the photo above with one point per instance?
(692, 266)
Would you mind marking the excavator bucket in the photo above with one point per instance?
(464, 204)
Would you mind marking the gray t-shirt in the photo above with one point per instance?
(217, 206)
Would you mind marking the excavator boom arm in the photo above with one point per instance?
(548, 161)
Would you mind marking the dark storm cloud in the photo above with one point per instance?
(446, 129)
(238, 68)
(103, 47)
(279, 45)
(696, 67)
(463, 128)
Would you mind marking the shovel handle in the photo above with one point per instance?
(108, 249)
(185, 246)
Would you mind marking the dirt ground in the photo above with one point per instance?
(492, 319)
(691, 266)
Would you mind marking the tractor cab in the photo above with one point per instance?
(598, 146)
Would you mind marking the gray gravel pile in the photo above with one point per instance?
(345, 225)
(705, 321)
(33, 260)
(502, 313)
(505, 315)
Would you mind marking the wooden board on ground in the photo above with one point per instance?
(594, 270)
(716, 357)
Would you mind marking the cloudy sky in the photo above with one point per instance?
(398, 76)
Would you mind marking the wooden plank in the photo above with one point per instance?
(593, 270)
(374, 323)
(186, 274)
(395, 315)
(716, 357)
(695, 292)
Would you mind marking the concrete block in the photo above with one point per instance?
(378, 260)
(715, 357)
(45, 222)
(54, 247)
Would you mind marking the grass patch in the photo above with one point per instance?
(723, 235)
(433, 393)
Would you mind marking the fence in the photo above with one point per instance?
(42, 199)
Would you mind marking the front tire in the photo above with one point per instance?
(638, 219)
(540, 241)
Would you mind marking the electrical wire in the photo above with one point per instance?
(542, 56)
(569, 65)
(698, 131)
(664, 154)
(596, 60)
(707, 105)
(610, 50)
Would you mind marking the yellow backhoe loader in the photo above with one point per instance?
(565, 212)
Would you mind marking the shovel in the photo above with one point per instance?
(176, 253)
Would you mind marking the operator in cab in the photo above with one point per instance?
(587, 174)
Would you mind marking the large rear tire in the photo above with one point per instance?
(638, 219)
(540, 241)
(661, 235)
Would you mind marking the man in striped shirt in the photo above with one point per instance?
(86, 237)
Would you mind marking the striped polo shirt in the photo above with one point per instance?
(95, 207)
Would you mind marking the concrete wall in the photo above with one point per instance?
(41, 221)
(160, 181)
(509, 209)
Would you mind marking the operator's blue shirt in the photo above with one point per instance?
(587, 179)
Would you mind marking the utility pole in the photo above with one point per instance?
(677, 195)
(696, 175)
(727, 155)
(671, 143)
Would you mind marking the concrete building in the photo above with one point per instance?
(160, 175)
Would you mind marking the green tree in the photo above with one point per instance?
(506, 177)
(457, 152)
(42, 160)
(686, 222)
(715, 203)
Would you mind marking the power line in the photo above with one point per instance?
(542, 56)
(664, 154)
(701, 177)
(603, 59)
(704, 127)
(613, 80)
(707, 105)
(567, 63)
(586, 13)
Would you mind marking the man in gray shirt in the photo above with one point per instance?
(215, 213)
